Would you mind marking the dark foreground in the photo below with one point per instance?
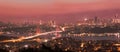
(65, 44)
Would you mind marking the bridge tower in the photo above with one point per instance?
(38, 30)
(57, 35)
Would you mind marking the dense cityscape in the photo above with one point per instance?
(88, 35)
(59, 25)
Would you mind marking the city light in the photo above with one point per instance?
(85, 19)
(59, 26)
(45, 40)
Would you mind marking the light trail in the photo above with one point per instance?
(29, 37)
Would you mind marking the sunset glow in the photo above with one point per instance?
(37, 7)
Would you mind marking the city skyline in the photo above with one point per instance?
(20, 10)
(59, 26)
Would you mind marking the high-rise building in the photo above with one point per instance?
(52, 23)
(95, 20)
(40, 22)
(116, 19)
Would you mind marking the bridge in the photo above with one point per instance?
(37, 35)
(57, 35)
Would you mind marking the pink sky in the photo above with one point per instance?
(39, 7)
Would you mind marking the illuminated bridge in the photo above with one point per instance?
(56, 33)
